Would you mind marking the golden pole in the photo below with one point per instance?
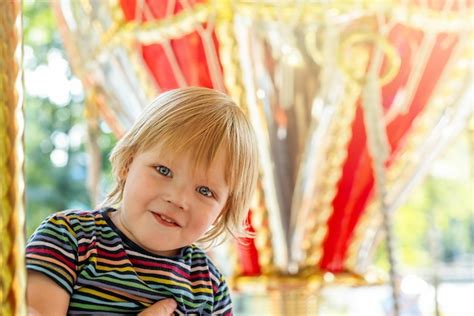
(12, 217)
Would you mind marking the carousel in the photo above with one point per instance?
(350, 100)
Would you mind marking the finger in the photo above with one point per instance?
(162, 308)
(167, 307)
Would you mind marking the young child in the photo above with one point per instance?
(185, 172)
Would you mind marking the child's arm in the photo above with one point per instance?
(222, 300)
(44, 296)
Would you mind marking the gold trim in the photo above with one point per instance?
(310, 11)
(156, 31)
(229, 53)
(316, 228)
(378, 40)
(263, 234)
(229, 56)
(415, 16)
(278, 294)
(12, 213)
(309, 280)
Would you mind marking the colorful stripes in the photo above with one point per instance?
(103, 271)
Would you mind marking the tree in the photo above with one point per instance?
(56, 161)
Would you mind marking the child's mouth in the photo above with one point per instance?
(164, 220)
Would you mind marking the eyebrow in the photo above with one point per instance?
(217, 186)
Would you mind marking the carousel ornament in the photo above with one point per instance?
(342, 141)
(348, 111)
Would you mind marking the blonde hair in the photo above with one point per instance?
(201, 121)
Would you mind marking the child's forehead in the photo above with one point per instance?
(170, 154)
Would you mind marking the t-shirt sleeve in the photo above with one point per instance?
(222, 300)
(52, 250)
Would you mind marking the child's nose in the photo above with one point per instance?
(178, 195)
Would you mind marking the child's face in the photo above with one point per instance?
(165, 205)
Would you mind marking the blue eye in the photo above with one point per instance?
(205, 191)
(163, 170)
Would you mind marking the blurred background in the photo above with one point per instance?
(80, 97)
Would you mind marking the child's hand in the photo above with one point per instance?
(161, 308)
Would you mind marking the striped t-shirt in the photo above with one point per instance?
(107, 273)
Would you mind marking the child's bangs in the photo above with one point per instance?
(202, 140)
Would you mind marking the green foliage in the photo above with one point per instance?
(50, 187)
(438, 218)
(40, 29)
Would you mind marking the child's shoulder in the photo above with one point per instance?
(74, 216)
(76, 213)
(76, 223)
(197, 257)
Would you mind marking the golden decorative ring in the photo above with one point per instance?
(387, 48)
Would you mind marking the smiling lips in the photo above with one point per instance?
(164, 220)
